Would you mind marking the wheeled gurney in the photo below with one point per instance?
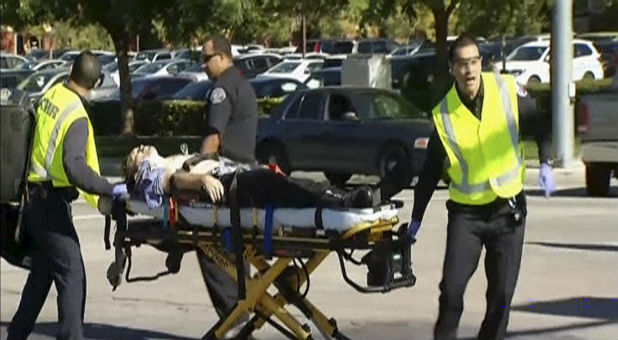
(283, 246)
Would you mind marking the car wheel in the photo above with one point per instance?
(391, 157)
(588, 76)
(337, 179)
(534, 80)
(597, 179)
(274, 153)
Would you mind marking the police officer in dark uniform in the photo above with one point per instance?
(63, 158)
(231, 128)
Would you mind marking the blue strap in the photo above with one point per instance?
(227, 239)
(268, 231)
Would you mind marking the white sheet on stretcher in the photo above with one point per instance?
(338, 220)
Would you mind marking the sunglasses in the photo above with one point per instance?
(206, 57)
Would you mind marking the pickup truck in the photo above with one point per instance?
(598, 128)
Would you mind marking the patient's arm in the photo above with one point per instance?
(189, 181)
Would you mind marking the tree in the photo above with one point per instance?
(509, 17)
(122, 19)
(441, 13)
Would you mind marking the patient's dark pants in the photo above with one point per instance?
(263, 187)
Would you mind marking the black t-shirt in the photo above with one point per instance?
(232, 113)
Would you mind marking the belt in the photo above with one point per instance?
(47, 188)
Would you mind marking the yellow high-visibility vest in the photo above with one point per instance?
(57, 110)
(485, 157)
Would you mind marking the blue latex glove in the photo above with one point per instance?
(413, 228)
(120, 192)
(546, 179)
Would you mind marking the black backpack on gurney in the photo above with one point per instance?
(17, 122)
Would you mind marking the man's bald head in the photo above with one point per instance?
(86, 70)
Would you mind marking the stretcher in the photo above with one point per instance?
(283, 246)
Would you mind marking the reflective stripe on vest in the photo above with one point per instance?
(51, 148)
(465, 187)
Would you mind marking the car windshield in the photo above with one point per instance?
(69, 56)
(27, 66)
(138, 86)
(341, 47)
(527, 53)
(285, 67)
(194, 91)
(150, 68)
(145, 55)
(36, 82)
(385, 106)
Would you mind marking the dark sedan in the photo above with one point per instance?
(344, 131)
(275, 87)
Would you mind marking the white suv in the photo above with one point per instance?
(529, 63)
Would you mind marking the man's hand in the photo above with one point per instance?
(546, 179)
(119, 192)
(413, 228)
(213, 188)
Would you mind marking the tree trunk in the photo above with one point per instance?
(121, 42)
(442, 78)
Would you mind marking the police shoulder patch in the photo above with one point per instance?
(217, 95)
(521, 91)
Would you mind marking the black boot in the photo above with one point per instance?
(362, 197)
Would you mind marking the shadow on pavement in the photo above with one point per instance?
(571, 192)
(585, 307)
(101, 331)
(577, 246)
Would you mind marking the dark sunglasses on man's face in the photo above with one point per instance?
(206, 57)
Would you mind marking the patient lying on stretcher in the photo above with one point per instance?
(151, 176)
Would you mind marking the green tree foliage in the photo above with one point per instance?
(508, 17)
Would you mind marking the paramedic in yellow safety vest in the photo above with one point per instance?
(63, 158)
(477, 138)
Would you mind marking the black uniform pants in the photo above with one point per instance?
(57, 258)
(469, 229)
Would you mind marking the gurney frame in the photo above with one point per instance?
(388, 261)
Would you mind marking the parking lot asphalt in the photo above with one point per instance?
(568, 285)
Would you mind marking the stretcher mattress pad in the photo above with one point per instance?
(205, 215)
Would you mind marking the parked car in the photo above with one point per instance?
(375, 45)
(529, 63)
(330, 76)
(275, 87)
(596, 37)
(250, 65)
(153, 55)
(38, 83)
(69, 56)
(113, 68)
(295, 69)
(194, 72)
(44, 64)
(11, 61)
(196, 91)
(409, 49)
(328, 46)
(344, 131)
(598, 126)
(163, 68)
(157, 88)
(609, 56)
(106, 59)
(12, 78)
